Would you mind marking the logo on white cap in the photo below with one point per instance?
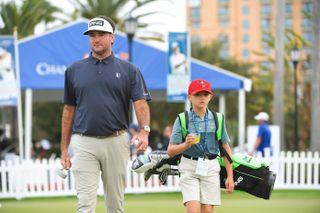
(99, 24)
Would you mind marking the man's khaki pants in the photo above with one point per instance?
(108, 155)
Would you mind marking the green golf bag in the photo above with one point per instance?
(250, 175)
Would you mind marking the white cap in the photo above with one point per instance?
(99, 24)
(262, 116)
(2, 51)
(45, 144)
(174, 44)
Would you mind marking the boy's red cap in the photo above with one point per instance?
(199, 85)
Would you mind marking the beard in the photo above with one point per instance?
(100, 52)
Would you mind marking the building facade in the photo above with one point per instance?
(243, 25)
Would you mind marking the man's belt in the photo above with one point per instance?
(114, 134)
(209, 157)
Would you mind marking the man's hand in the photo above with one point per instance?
(141, 141)
(65, 160)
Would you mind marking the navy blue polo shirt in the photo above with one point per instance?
(101, 91)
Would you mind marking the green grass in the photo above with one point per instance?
(282, 201)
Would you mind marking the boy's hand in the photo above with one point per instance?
(229, 185)
(190, 139)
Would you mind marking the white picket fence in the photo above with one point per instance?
(38, 179)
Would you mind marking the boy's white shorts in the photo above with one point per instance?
(206, 190)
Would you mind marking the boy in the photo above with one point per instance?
(199, 169)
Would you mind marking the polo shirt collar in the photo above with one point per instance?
(105, 60)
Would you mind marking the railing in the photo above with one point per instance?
(37, 178)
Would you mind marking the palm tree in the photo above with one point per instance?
(111, 8)
(315, 100)
(27, 16)
(23, 18)
(291, 39)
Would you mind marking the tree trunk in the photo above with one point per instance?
(278, 83)
(315, 80)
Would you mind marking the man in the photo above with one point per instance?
(6, 71)
(95, 118)
(178, 61)
(264, 134)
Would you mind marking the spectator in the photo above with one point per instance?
(166, 134)
(264, 134)
(155, 135)
(133, 131)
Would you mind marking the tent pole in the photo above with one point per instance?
(28, 124)
(241, 125)
(19, 104)
(222, 104)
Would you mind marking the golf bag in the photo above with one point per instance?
(250, 174)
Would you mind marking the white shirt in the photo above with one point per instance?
(178, 64)
(6, 72)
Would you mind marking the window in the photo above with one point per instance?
(195, 39)
(265, 23)
(246, 38)
(195, 24)
(195, 12)
(223, 22)
(266, 50)
(224, 53)
(288, 23)
(306, 23)
(288, 8)
(265, 67)
(223, 11)
(307, 7)
(306, 65)
(265, 36)
(307, 50)
(195, 17)
(224, 40)
(223, 1)
(245, 10)
(307, 36)
(245, 24)
(246, 53)
(266, 1)
(194, 3)
(266, 10)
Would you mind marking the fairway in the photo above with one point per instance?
(282, 201)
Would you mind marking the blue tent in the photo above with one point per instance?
(44, 58)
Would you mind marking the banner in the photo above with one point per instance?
(8, 82)
(178, 77)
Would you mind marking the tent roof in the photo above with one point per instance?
(44, 58)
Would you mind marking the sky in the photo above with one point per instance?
(173, 19)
